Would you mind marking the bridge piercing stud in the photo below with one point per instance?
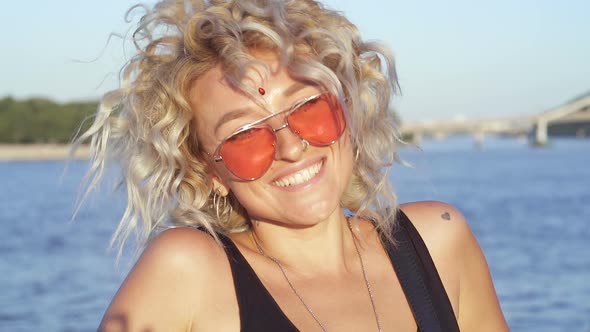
(261, 91)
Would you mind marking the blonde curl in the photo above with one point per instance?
(147, 126)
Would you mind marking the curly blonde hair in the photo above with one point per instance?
(148, 128)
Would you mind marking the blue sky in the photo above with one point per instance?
(455, 58)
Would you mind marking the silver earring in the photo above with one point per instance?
(356, 154)
(221, 208)
(305, 144)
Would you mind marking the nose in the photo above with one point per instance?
(289, 145)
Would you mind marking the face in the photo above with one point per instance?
(302, 186)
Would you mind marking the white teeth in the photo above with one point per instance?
(300, 177)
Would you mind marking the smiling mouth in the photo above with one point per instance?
(300, 177)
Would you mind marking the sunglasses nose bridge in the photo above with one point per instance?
(288, 146)
(285, 125)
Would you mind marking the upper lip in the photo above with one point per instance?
(296, 167)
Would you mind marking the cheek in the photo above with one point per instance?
(346, 158)
(221, 176)
(255, 198)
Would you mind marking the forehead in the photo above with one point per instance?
(212, 88)
(212, 97)
(212, 92)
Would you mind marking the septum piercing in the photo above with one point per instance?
(305, 144)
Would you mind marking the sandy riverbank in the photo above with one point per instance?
(11, 152)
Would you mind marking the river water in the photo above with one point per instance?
(529, 208)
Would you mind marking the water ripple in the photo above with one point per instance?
(528, 211)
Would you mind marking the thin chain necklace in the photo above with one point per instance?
(308, 308)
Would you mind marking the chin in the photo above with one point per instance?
(317, 213)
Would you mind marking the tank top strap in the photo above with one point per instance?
(258, 310)
(419, 279)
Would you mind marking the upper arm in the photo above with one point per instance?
(459, 258)
(162, 291)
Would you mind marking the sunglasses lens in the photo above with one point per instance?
(320, 121)
(250, 153)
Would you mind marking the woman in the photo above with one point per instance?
(258, 124)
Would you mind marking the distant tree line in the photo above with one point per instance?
(40, 120)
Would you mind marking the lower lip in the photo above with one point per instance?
(307, 184)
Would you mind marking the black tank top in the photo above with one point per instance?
(410, 258)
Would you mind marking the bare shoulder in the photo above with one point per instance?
(167, 286)
(443, 228)
(441, 225)
(184, 248)
(460, 262)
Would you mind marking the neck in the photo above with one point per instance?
(324, 247)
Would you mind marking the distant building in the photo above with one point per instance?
(572, 119)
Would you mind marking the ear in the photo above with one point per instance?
(219, 186)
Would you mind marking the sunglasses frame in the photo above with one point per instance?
(259, 124)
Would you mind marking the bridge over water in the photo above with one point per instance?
(569, 119)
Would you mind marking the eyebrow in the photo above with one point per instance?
(231, 116)
(246, 110)
(293, 88)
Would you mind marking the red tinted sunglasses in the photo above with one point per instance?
(249, 151)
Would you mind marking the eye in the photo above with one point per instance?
(245, 135)
(307, 106)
